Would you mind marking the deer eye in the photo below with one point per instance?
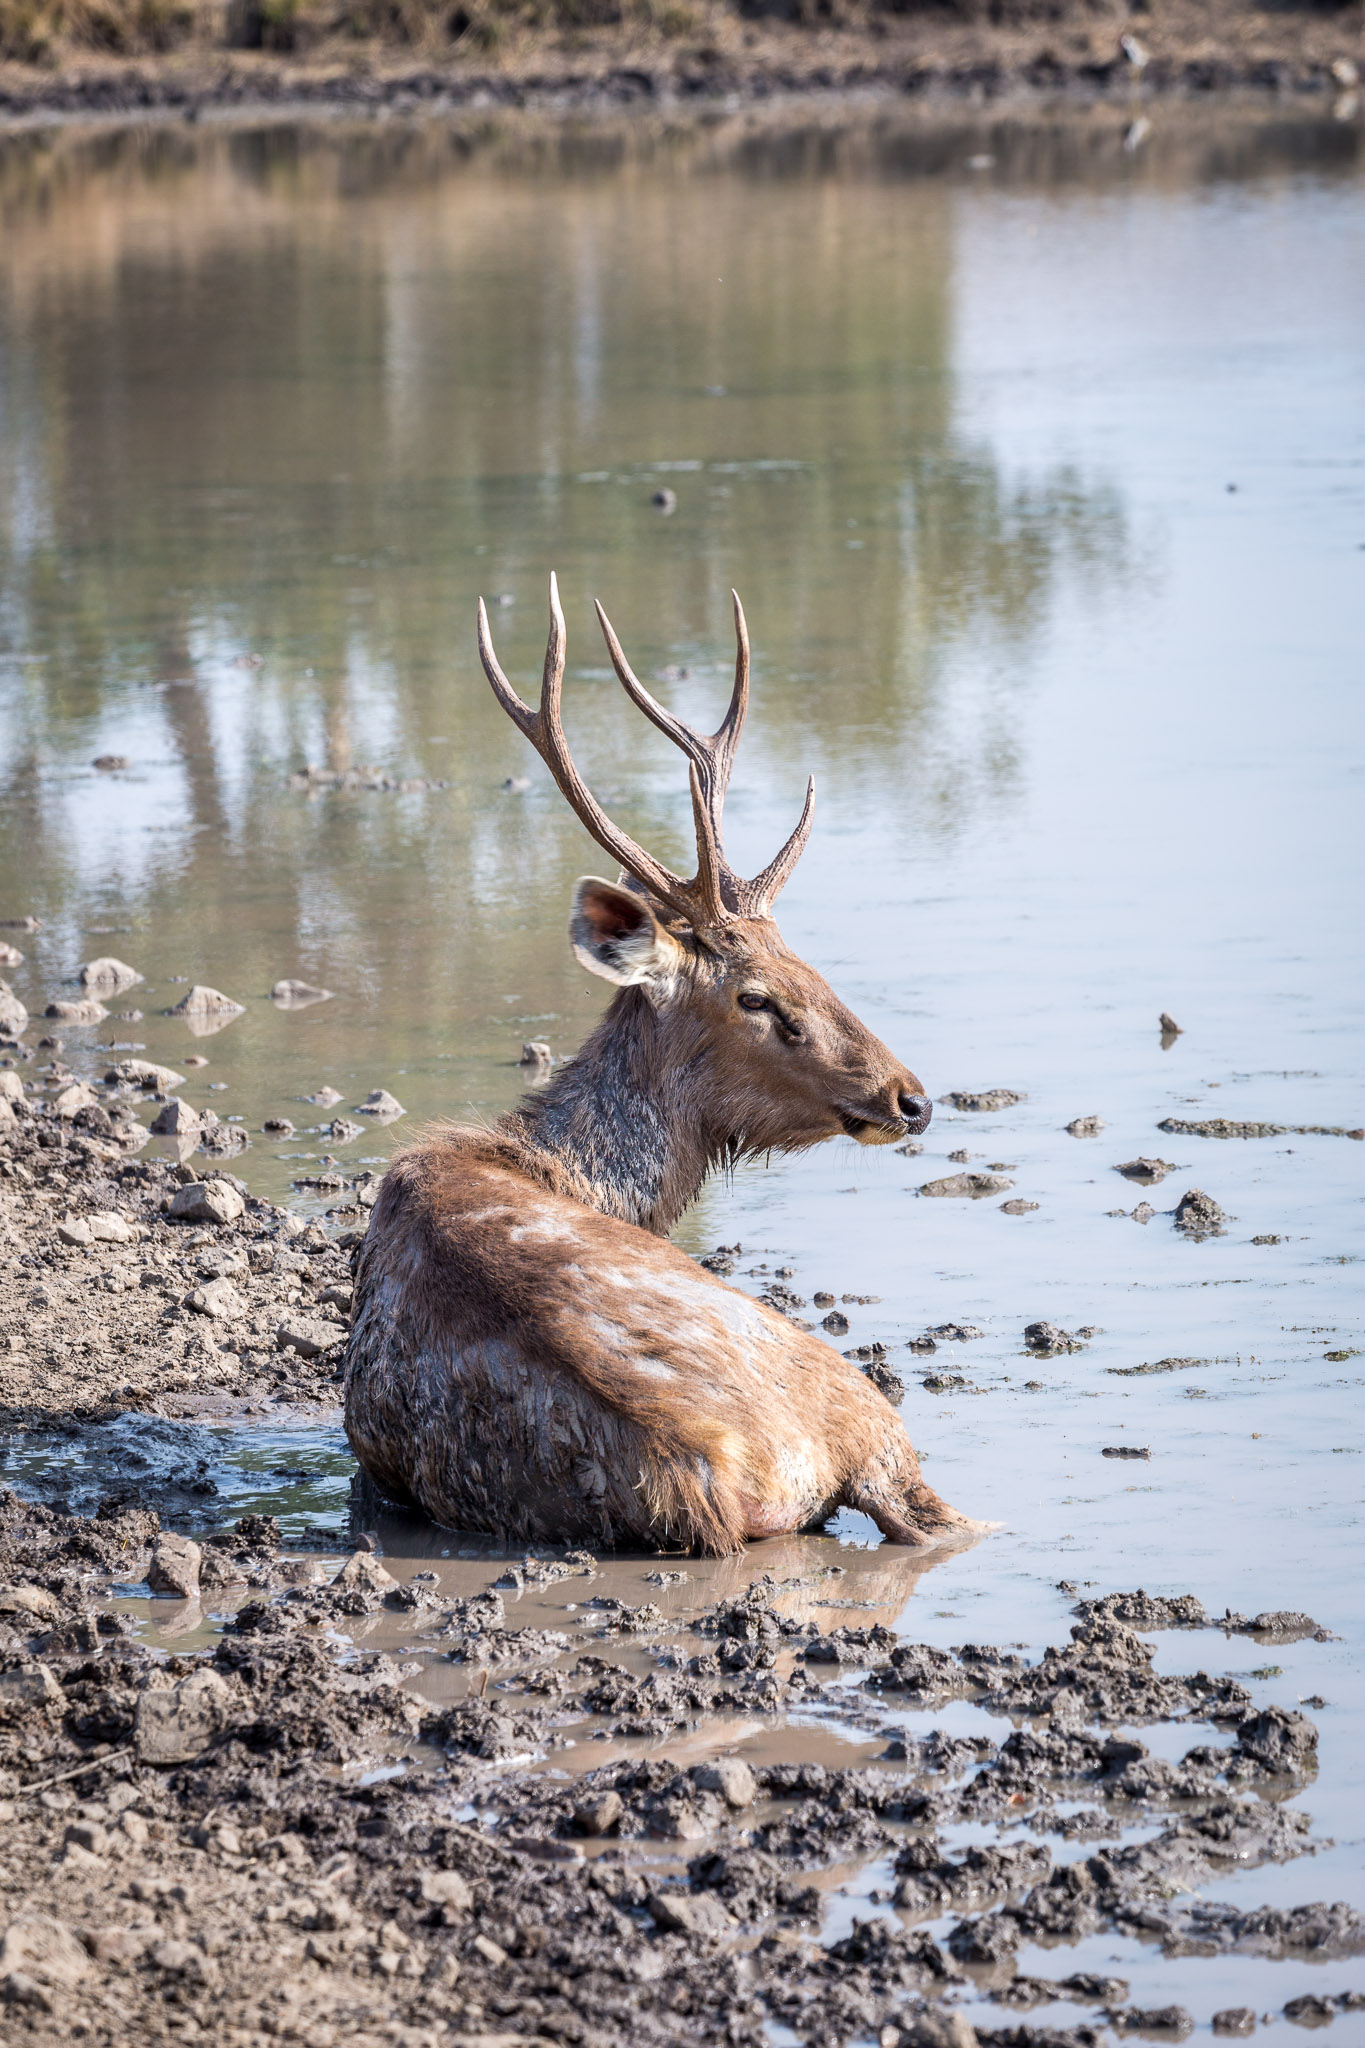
(749, 1001)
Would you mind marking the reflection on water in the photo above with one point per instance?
(1044, 486)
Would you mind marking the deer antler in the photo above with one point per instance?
(716, 894)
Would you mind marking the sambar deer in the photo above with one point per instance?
(529, 1355)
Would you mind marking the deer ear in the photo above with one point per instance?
(614, 933)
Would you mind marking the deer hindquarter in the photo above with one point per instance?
(521, 1363)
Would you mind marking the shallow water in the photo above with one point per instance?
(1044, 486)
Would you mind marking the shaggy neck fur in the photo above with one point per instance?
(628, 1116)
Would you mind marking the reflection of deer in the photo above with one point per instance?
(528, 1353)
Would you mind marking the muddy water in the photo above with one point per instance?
(1041, 478)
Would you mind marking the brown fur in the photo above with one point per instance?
(528, 1354)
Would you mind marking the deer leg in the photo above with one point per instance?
(890, 1489)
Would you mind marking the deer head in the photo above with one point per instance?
(774, 1061)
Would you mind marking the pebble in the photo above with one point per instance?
(296, 995)
(310, 1336)
(664, 500)
(108, 975)
(1017, 1207)
(145, 1074)
(110, 764)
(536, 1053)
(210, 1201)
(379, 1103)
(177, 1118)
(1085, 1126)
(278, 1127)
(323, 1097)
(202, 1001)
(175, 1566)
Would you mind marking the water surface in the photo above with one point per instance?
(1043, 481)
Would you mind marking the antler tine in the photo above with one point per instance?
(698, 901)
(714, 755)
(760, 894)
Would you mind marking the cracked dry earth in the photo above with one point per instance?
(299, 1798)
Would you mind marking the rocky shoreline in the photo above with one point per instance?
(719, 56)
(291, 1830)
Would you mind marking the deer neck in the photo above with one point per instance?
(625, 1117)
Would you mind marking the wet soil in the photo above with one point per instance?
(284, 1792)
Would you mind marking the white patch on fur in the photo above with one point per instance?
(547, 1226)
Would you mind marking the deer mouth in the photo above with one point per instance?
(871, 1130)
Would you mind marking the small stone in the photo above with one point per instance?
(536, 1053)
(1126, 1451)
(1238, 2020)
(600, 1815)
(363, 1573)
(323, 1097)
(217, 1299)
(1198, 1215)
(664, 500)
(489, 1950)
(310, 1336)
(1047, 1340)
(10, 956)
(343, 1132)
(278, 1127)
(836, 1322)
(87, 1011)
(976, 1100)
(108, 975)
(144, 1074)
(699, 1914)
(1149, 1172)
(30, 1685)
(297, 995)
(731, 1777)
(1085, 1126)
(11, 1087)
(379, 1103)
(202, 1001)
(77, 1095)
(1169, 1027)
(207, 1201)
(177, 1118)
(971, 1186)
(448, 1889)
(87, 1835)
(43, 1949)
(74, 1230)
(175, 1566)
(30, 1602)
(110, 764)
(176, 1724)
(1017, 1207)
(937, 2030)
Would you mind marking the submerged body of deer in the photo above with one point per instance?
(529, 1354)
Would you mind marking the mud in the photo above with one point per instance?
(279, 1835)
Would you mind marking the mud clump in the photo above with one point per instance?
(972, 1186)
(1199, 1216)
(982, 1099)
(1046, 1340)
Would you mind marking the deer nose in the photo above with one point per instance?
(916, 1109)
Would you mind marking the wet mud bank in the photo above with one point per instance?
(295, 1785)
(360, 1808)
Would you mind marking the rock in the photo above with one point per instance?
(76, 1095)
(983, 1098)
(175, 1566)
(310, 1336)
(1085, 1126)
(110, 764)
(363, 1573)
(176, 1724)
(30, 1603)
(1281, 1742)
(323, 1097)
(103, 1227)
(1168, 2022)
(971, 1185)
(144, 1074)
(1168, 1025)
(217, 1299)
(343, 1132)
(598, 1816)
(88, 1836)
(30, 1685)
(446, 1888)
(1048, 1341)
(1126, 1451)
(731, 1777)
(1146, 1171)
(1198, 1215)
(177, 1118)
(1017, 1208)
(207, 1201)
(1238, 2020)
(536, 1053)
(938, 2030)
(836, 1322)
(86, 1011)
(202, 1001)
(665, 501)
(297, 995)
(700, 1915)
(10, 956)
(380, 1103)
(11, 1087)
(278, 1127)
(108, 975)
(13, 1015)
(516, 785)
(74, 1230)
(43, 1949)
